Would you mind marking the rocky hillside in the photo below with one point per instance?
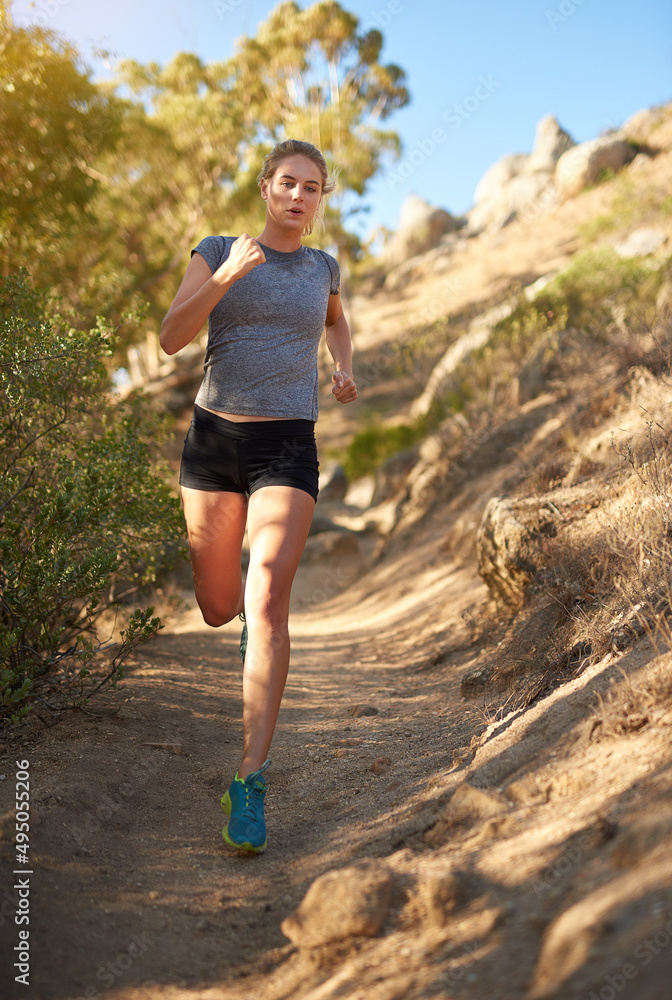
(526, 353)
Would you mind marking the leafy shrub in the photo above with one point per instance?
(84, 509)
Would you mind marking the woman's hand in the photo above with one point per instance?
(344, 388)
(245, 254)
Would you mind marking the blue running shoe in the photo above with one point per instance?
(243, 803)
(243, 636)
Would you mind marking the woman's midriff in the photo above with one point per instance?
(241, 418)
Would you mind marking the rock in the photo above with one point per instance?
(582, 165)
(641, 243)
(641, 126)
(476, 680)
(505, 557)
(525, 195)
(330, 544)
(518, 184)
(420, 228)
(422, 486)
(467, 806)
(640, 163)
(442, 895)
(357, 711)
(350, 902)
(321, 523)
(360, 493)
(470, 803)
(525, 790)
(333, 482)
(566, 947)
(496, 178)
(550, 142)
(381, 766)
(391, 476)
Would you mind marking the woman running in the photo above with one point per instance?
(249, 456)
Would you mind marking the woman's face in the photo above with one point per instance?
(293, 193)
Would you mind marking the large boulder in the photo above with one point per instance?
(520, 185)
(507, 558)
(495, 179)
(550, 142)
(421, 227)
(582, 165)
(524, 196)
(650, 127)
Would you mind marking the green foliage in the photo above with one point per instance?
(595, 283)
(55, 123)
(84, 508)
(373, 445)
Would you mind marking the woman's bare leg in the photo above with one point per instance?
(279, 519)
(215, 528)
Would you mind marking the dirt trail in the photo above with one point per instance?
(129, 865)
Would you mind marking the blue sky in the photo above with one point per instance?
(481, 72)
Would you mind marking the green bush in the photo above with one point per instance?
(372, 446)
(84, 509)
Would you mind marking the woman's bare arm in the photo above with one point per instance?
(339, 343)
(201, 290)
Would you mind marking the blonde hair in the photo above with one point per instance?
(298, 147)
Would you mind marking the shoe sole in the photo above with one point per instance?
(245, 845)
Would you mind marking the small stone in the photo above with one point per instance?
(641, 243)
(330, 803)
(357, 711)
(345, 903)
(442, 895)
(381, 766)
(202, 924)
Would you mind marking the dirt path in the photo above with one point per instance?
(134, 896)
(129, 865)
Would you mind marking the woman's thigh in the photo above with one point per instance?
(279, 519)
(215, 529)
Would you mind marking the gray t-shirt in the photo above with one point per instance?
(263, 334)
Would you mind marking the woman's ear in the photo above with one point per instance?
(264, 188)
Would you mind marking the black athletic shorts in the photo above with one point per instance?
(227, 456)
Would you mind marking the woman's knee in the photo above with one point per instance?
(216, 615)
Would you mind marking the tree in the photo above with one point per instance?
(54, 123)
(101, 197)
(310, 74)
